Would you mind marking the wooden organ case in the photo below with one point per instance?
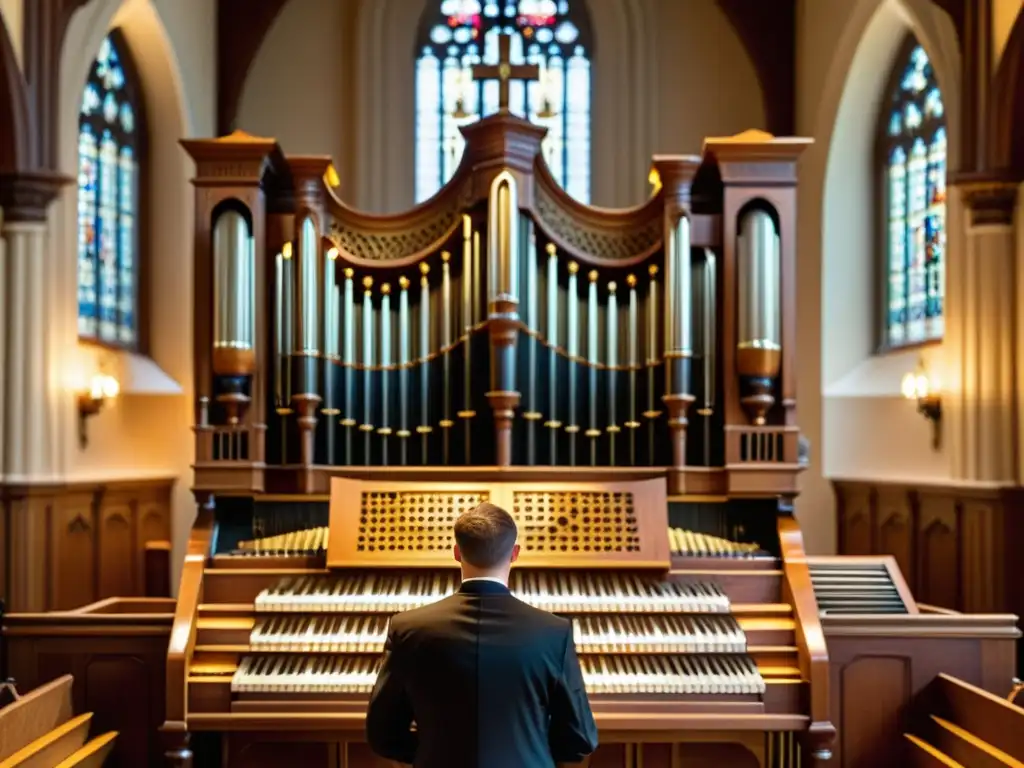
(622, 381)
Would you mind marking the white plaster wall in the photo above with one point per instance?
(666, 74)
(850, 402)
(297, 85)
(172, 42)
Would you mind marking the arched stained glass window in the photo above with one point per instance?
(457, 34)
(110, 133)
(913, 145)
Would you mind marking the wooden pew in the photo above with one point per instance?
(958, 724)
(92, 755)
(38, 730)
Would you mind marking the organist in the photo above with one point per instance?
(490, 681)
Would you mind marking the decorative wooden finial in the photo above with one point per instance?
(385, 288)
(446, 256)
(652, 270)
(631, 281)
(367, 283)
(612, 287)
(573, 267)
(593, 276)
(424, 268)
(551, 249)
(403, 282)
(349, 273)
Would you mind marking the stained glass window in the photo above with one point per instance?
(913, 144)
(457, 34)
(109, 140)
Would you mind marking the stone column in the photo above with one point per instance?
(988, 405)
(32, 391)
(30, 399)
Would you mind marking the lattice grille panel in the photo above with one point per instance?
(576, 521)
(411, 521)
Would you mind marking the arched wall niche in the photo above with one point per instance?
(845, 391)
(140, 434)
(660, 71)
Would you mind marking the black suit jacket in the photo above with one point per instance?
(489, 681)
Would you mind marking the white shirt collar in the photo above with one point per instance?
(486, 578)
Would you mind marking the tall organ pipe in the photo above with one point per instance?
(308, 306)
(759, 340)
(678, 310)
(234, 331)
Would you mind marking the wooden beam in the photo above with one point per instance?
(242, 26)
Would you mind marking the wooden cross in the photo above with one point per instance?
(505, 70)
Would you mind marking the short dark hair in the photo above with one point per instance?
(486, 535)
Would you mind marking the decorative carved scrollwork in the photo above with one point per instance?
(364, 238)
(587, 240)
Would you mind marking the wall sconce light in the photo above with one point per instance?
(916, 386)
(102, 387)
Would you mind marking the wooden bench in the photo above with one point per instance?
(958, 724)
(39, 730)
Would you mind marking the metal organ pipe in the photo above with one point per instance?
(309, 288)
(503, 240)
(234, 357)
(678, 309)
(759, 347)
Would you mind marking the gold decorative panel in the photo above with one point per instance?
(410, 523)
(576, 521)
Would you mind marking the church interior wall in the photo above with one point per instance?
(666, 74)
(143, 435)
(850, 400)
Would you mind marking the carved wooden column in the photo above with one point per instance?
(990, 355)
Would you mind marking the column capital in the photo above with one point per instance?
(26, 195)
(990, 199)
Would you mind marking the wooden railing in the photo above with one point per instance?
(182, 641)
(810, 638)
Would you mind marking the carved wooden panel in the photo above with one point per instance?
(855, 523)
(938, 576)
(956, 545)
(410, 523)
(73, 558)
(885, 682)
(68, 546)
(895, 533)
(117, 567)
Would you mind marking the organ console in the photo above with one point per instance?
(621, 381)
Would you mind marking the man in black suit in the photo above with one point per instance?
(489, 681)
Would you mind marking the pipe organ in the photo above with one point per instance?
(621, 381)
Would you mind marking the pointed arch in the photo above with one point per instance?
(111, 197)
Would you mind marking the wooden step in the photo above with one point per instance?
(739, 586)
(924, 755)
(967, 748)
(221, 630)
(768, 631)
(695, 563)
(775, 656)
